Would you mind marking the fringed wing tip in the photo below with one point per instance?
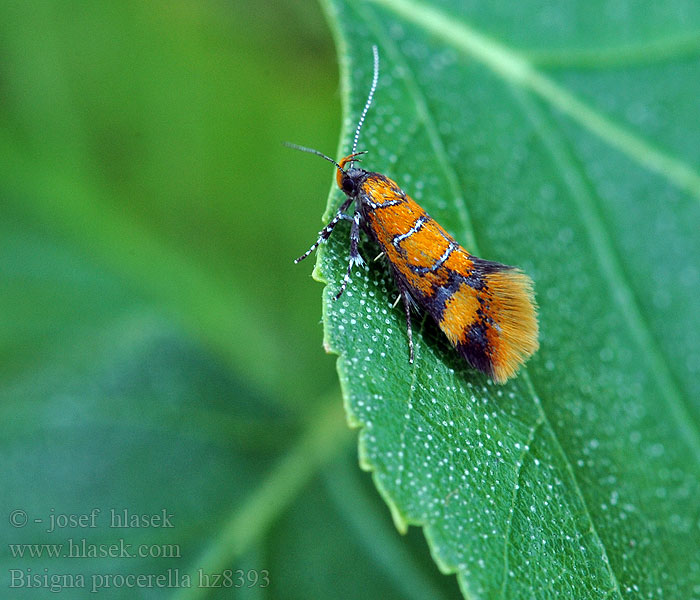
(515, 313)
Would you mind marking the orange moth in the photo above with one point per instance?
(486, 309)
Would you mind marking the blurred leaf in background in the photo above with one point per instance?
(159, 349)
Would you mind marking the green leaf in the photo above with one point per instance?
(563, 140)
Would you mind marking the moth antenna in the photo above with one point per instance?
(368, 103)
(312, 151)
(375, 78)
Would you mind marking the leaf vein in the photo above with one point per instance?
(572, 475)
(514, 68)
(648, 53)
(611, 266)
(421, 105)
(516, 489)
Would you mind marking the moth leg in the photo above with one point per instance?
(325, 233)
(407, 306)
(355, 257)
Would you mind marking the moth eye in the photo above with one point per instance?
(349, 186)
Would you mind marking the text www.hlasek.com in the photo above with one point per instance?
(81, 548)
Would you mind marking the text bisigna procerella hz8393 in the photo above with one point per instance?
(486, 309)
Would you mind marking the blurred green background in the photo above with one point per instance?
(160, 351)
(142, 142)
(148, 137)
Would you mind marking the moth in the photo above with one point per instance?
(486, 309)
